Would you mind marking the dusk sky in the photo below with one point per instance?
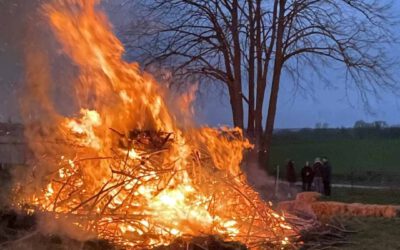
(296, 108)
(322, 102)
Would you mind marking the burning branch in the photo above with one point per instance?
(144, 188)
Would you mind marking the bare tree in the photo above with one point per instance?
(248, 44)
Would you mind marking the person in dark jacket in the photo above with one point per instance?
(307, 176)
(326, 176)
(317, 169)
(291, 178)
(290, 172)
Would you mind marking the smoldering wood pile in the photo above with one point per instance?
(20, 232)
(329, 234)
(203, 243)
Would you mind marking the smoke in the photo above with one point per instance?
(46, 93)
(268, 186)
(30, 57)
(62, 226)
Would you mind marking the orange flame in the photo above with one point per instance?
(130, 172)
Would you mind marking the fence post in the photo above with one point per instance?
(277, 181)
(352, 179)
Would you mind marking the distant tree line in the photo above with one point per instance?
(360, 130)
(357, 124)
(321, 125)
(375, 124)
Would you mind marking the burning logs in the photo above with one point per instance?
(152, 192)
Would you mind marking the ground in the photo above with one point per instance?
(361, 195)
(370, 159)
(373, 233)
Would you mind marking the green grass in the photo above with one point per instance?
(373, 233)
(371, 160)
(345, 154)
(369, 196)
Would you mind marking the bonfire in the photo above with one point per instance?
(125, 169)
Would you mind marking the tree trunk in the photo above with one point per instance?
(251, 115)
(236, 106)
(236, 96)
(269, 126)
(279, 58)
(260, 83)
(263, 67)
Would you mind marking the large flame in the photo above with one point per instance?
(124, 169)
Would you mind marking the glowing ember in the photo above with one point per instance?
(130, 172)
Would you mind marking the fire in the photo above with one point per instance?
(84, 127)
(130, 173)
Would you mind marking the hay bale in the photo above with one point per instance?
(307, 203)
(308, 197)
(332, 208)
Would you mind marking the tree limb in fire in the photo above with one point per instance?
(248, 44)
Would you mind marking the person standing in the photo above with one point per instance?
(290, 172)
(291, 177)
(326, 175)
(307, 176)
(317, 169)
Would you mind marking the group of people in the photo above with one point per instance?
(314, 178)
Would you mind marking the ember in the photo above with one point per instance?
(130, 173)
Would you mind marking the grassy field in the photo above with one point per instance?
(345, 155)
(373, 233)
(372, 159)
(370, 196)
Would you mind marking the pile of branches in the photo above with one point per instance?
(203, 243)
(118, 210)
(20, 231)
(332, 234)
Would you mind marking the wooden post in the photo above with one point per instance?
(277, 181)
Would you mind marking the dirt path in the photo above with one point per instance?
(357, 186)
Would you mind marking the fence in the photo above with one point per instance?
(377, 178)
(369, 178)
